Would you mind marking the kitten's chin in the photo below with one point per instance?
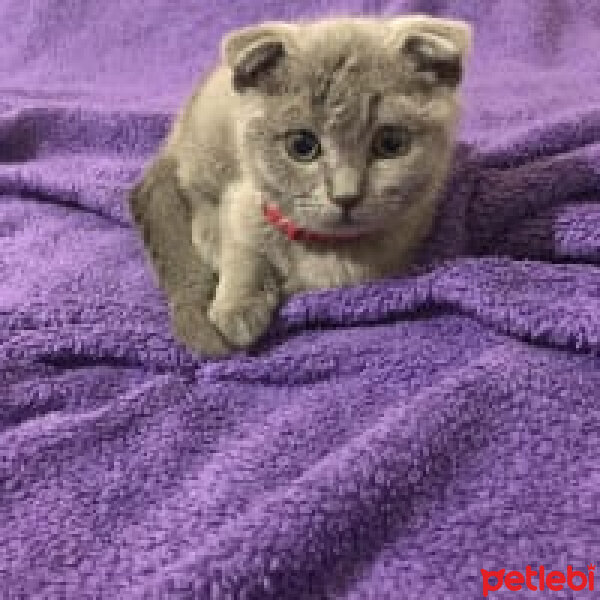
(332, 227)
(352, 225)
(349, 229)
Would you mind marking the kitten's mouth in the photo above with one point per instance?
(342, 229)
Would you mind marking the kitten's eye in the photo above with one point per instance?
(391, 141)
(302, 145)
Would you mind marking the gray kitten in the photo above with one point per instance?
(311, 157)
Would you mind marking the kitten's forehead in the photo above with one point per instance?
(349, 69)
(344, 78)
(343, 70)
(345, 56)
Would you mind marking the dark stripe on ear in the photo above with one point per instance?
(436, 59)
(255, 62)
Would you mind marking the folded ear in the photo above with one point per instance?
(434, 49)
(255, 55)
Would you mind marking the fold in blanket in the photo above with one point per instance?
(389, 440)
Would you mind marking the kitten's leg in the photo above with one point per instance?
(246, 297)
(164, 219)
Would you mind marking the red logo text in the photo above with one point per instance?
(540, 580)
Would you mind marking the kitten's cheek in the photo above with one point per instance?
(266, 175)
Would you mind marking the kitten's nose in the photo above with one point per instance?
(345, 187)
(346, 201)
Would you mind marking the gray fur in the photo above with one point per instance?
(199, 207)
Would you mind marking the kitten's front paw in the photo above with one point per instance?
(244, 322)
(193, 329)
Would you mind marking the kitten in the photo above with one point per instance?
(311, 157)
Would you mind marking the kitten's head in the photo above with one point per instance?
(347, 123)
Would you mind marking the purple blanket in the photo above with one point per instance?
(388, 441)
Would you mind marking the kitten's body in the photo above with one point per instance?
(224, 160)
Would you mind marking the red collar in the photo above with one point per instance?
(295, 233)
